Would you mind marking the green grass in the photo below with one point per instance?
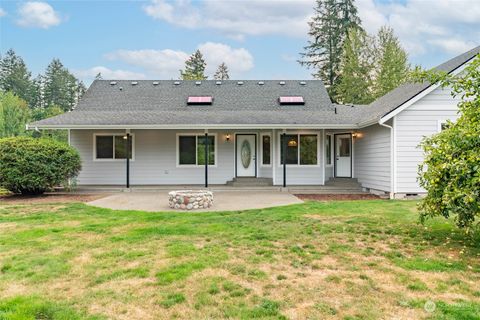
(313, 260)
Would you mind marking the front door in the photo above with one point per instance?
(246, 153)
(343, 155)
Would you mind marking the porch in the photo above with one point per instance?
(154, 159)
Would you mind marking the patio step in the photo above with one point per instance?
(250, 182)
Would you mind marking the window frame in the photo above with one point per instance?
(261, 149)
(116, 134)
(303, 133)
(196, 134)
(440, 123)
(332, 151)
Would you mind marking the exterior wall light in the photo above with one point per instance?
(227, 137)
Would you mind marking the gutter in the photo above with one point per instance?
(392, 158)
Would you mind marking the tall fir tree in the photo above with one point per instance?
(392, 62)
(355, 83)
(60, 87)
(328, 29)
(194, 67)
(222, 72)
(15, 77)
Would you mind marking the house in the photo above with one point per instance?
(210, 132)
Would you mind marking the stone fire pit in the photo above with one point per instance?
(190, 199)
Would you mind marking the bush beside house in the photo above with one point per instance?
(33, 166)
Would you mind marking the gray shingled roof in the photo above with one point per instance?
(146, 104)
(395, 98)
(166, 104)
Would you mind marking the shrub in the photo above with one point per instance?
(32, 166)
(451, 170)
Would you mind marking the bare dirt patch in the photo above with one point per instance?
(50, 198)
(333, 197)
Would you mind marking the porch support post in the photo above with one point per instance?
(206, 159)
(284, 142)
(127, 144)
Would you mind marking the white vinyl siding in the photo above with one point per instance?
(413, 124)
(372, 157)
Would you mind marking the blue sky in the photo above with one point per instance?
(258, 39)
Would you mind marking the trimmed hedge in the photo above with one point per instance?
(33, 166)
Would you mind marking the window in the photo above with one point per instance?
(191, 149)
(302, 149)
(344, 147)
(266, 149)
(328, 150)
(111, 147)
(442, 125)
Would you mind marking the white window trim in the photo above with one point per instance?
(307, 133)
(132, 135)
(197, 134)
(332, 152)
(439, 124)
(261, 149)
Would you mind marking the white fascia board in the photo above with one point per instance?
(419, 96)
(205, 126)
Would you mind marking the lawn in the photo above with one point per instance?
(317, 260)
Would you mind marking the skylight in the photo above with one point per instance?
(292, 100)
(200, 100)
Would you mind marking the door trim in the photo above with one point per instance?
(236, 160)
(335, 153)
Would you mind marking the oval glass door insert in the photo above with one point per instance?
(246, 154)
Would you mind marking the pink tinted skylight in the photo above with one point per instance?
(292, 100)
(199, 100)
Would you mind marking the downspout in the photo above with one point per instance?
(392, 155)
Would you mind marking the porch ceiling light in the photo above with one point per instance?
(292, 143)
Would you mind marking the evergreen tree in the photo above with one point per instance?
(328, 30)
(222, 72)
(194, 67)
(14, 115)
(392, 62)
(356, 69)
(15, 77)
(60, 87)
(98, 76)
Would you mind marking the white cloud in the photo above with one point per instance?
(236, 18)
(37, 14)
(162, 63)
(89, 74)
(2, 12)
(167, 63)
(426, 27)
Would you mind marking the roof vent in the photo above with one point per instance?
(218, 83)
(176, 83)
(112, 83)
(302, 83)
(120, 88)
(197, 83)
(239, 83)
(261, 83)
(282, 83)
(155, 83)
(134, 83)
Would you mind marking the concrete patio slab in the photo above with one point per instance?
(223, 201)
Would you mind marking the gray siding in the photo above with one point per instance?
(411, 126)
(372, 155)
(156, 159)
